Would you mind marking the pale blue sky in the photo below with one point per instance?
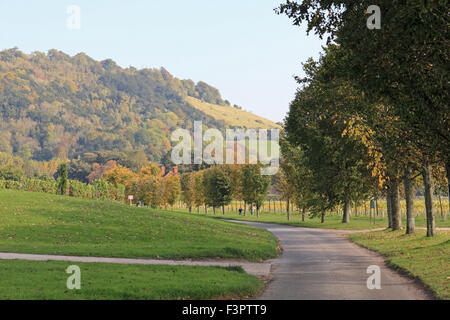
(239, 46)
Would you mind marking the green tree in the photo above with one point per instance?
(295, 177)
(218, 188)
(254, 185)
(338, 162)
(200, 190)
(79, 170)
(188, 189)
(62, 182)
(404, 64)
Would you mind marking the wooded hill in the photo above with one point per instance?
(57, 106)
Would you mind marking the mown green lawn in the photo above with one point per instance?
(38, 280)
(331, 221)
(49, 224)
(425, 258)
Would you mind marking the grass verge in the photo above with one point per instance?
(46, 280)
(427, 259)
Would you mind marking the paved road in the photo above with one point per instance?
(324, 264)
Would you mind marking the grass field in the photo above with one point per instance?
(232, 116)
(331, 221)
(279, 206)
(47, 280)
(425, 258)
(48, 224)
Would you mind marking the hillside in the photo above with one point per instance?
(57, 106)
(231, 116)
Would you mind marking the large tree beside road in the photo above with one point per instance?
(403, 65)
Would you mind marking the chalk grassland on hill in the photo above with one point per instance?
(232, 116)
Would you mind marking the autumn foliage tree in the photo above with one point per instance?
(171, 189)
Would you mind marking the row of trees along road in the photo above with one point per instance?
(372, 114)
(217, 186)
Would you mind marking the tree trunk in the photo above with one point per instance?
(409, 198)
(303, 214)
(287, 209)
(395, 206)
(206, 209)
(447, 168)
(429, 188)
(245, 207)
(376, 206)
(198, 209)
(440, 204)
(223, 210)
(214, 210)
(346, 214)
(389, 207)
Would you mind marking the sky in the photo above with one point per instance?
(240, 47)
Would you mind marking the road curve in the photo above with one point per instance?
(320, 264)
